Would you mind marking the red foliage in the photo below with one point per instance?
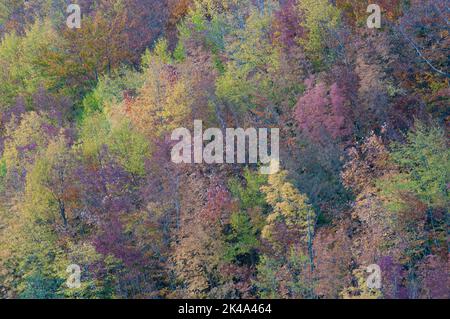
(219, 205)
(323, 112)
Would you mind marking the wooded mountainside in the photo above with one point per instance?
(86, 176)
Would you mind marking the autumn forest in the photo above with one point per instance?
(92, 206)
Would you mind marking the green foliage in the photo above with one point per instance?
(39, 262)
(41, 287)
(14, 12)
(290, 208)
(250, 195)
(130, 147)
(110, 89)
(160, 53)
(300, 285)
(206, 23)
(7, 7)
(179, 54)
(127, 144)
(2, 169)
(321, 19)
(198, 21)
(48, 181)
(267, 281)
(219, 65)
(11, 82)
(243, 238)
(24, 141)
(290, 278)
(94, 132)
(31, 62)
(424, 164)
(252, 56)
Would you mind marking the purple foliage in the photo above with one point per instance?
(107, 197)
(106, 186)
(288, 23)
(435, 276)
(56, 108)
(112, 240)
(392, 276)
